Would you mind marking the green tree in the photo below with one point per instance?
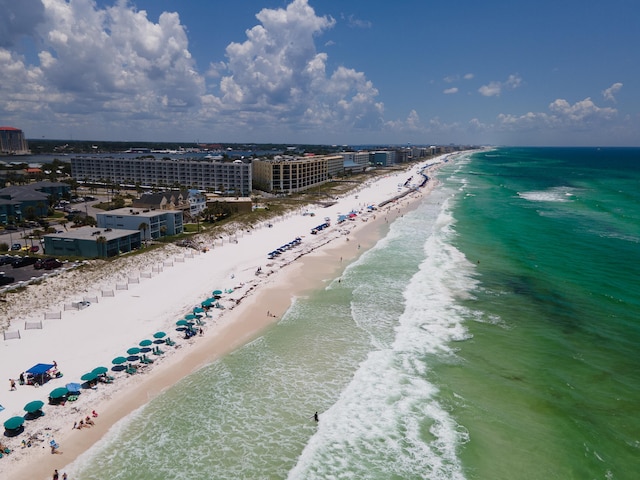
(101, 243)
(143, 227)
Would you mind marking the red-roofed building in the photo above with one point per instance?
(12, 142)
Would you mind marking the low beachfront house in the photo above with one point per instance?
(92, 242)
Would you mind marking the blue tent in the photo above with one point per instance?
(39, 371)
(40, 368)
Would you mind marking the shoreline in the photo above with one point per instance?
(235, 327)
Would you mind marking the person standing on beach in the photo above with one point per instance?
(12, 382)
(55, 474)
(315, 417)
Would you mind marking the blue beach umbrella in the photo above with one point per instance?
(73, 387)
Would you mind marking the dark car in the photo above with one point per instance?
(16, 246)
(47, 263)
(52, 263)
(4, 280)
(7, 259)
(24, 261)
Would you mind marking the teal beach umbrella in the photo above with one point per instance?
(14, 423)
(58, 392)
(34, 406)
(89, 377)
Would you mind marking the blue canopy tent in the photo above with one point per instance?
(39, 373)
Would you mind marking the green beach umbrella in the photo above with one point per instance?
(159, 335)
(198, 310)
(88, 377)
(33, 406)
(190, 316)
(100, 370)
(182, 323)
(58, 392)
(217, 292)
(145, 343)
(208, 302)
(133, 351)
(119, 360)
(13, 423)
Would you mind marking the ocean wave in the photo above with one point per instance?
(555, 194)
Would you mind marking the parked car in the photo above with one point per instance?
(16, 246)
(5, 280)
(10, 227)
(24, 261)
(52, 263)
(47, 263)
(34, 249)
(7, 259)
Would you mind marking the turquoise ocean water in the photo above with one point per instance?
(492, 334)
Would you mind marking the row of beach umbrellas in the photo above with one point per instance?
(34, 408)
(13, 424)
(136, 351)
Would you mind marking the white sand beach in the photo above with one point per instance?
(134, 297)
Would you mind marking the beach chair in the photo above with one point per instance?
(169, 342)
(157, 351)
(131, 370)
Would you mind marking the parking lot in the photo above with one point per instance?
(23, 274)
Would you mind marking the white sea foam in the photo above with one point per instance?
(389, 422)
(555, 194)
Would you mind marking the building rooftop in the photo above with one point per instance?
(141, 212)
(92, 233)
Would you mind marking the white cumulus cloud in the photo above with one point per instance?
(278, 75)
(113, 72)
(609, 93)
(495, 88)
(562, 114)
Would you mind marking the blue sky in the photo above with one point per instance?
(502, 72)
